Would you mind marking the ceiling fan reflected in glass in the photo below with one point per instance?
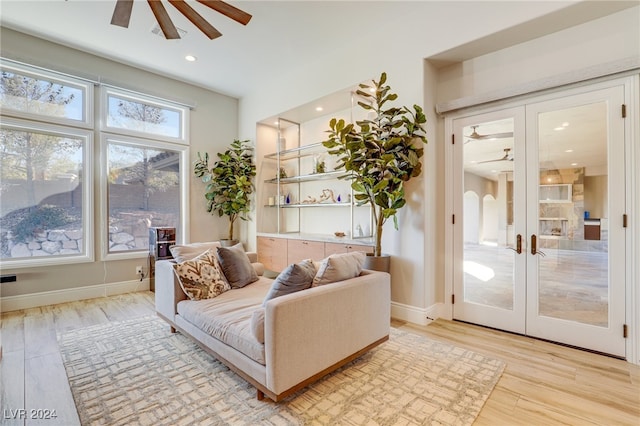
(477, 136)
(506, 157)
(122, 15)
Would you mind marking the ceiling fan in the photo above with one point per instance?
(506, 157)
(122, 15)
(477, 136)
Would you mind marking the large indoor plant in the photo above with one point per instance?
(379, 153)
(229, 182)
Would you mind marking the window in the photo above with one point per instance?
(144, 188)
(137, 115)
(46, 163)
(45, 187)
(29, 93)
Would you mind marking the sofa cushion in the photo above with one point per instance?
(295, 277)
(189, 251)
(228, 317)
(236, 266)
(339, 267)
(257, 324)
(200, 278)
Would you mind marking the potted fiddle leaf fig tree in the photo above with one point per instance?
(380, 154)
(229, 183)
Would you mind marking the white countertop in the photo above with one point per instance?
(327, 238)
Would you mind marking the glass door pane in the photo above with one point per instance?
(489, 241)
(573, 214)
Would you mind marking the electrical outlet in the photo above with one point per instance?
(138, 270)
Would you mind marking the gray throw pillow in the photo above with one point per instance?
(236, 266)
(295, 277)
(339, 267)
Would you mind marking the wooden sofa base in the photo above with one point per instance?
(262, 391)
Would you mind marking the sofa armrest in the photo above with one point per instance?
(311, 330)
(168, 290)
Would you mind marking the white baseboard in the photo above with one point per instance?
(33, 300)
(420, 316)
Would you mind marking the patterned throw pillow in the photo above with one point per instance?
(200, 278)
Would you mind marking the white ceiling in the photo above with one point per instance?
(285, 35)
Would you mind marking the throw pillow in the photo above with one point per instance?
(236, 266)
(189, 251)
(257, 324)
(200, 278)
(339, 267)
(295, 277)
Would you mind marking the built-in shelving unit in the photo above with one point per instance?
(299, 183)
(558, 193)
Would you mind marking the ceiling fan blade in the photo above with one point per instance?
(122, 13)
(505, 157)
(228, 10)
(167, 27)
(479, 137)
(196, 19)
(502, 135)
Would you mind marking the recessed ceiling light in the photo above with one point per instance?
(191, 58)
(565, 124)
(574, 164)
(559, 128)
(568, 150)
(319, 108)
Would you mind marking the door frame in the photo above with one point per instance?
(631, 83)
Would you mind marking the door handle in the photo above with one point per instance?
(518, 248)
(534, 246)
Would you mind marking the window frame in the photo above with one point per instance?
(107, 91)
(87, 253)
(182, 228)
(85, 86)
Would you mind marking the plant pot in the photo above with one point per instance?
(228, 243)
(377, 263)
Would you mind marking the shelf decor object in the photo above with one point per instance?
(308, 183)
(379, 153)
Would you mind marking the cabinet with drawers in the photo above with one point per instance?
(298, 250)
(276, 253)
(333, 248)
(272, 252)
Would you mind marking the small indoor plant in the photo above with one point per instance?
(229, 182)
(379, 153)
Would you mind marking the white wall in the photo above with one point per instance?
(426, 29)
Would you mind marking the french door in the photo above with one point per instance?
(539, 238)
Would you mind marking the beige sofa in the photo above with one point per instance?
(307, 334)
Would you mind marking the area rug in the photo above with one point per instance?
(138, 373)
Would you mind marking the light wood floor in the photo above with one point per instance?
(543, 383)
